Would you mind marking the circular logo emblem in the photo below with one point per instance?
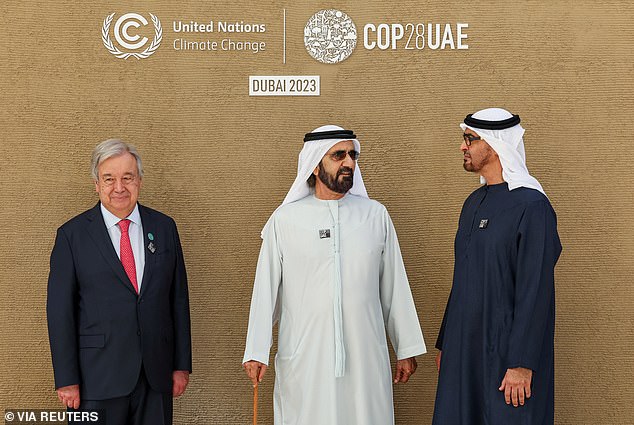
(130, 42)
(330, 36)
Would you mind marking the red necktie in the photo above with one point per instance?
(127, 257)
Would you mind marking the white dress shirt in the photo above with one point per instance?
(136, 237)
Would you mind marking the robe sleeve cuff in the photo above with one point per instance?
(524, 364)
(407, 352)
(258, 357)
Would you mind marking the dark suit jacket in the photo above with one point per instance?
(101, 332)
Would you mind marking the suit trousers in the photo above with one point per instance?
(143, 406)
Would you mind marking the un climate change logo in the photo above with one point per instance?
(130, 41)
(330, 36)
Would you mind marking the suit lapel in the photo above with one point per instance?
(99, 234)
(147, 221)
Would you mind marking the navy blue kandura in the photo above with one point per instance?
(501, 309)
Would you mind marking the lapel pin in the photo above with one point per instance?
(151, 247)
(150, 236)
(484, 223)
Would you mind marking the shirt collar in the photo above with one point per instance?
(112, 220)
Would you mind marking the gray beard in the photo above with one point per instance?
(476, 168)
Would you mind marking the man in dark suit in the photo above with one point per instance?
(118, 306)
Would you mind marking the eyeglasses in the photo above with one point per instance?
(470, 138)
(128, 179)
(341, 155)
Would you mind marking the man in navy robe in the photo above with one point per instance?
(496, 340)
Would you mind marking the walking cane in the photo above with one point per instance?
(255, 404)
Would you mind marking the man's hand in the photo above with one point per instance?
(180, 378)
(69, 396)
(517, 385)
(438, 356)
(255, 371)
(404, 369)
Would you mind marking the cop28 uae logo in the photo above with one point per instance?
(127, 41)
(330, 36)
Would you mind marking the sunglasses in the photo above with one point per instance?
(341, 155)
(470, 138)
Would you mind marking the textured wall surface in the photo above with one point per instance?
(220, 162)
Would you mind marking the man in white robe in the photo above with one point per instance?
(330, 270)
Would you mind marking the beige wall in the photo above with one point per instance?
(220, 161)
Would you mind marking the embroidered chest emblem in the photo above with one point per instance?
(324, 233)
(483, 223)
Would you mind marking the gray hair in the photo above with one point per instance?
(110, 148)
